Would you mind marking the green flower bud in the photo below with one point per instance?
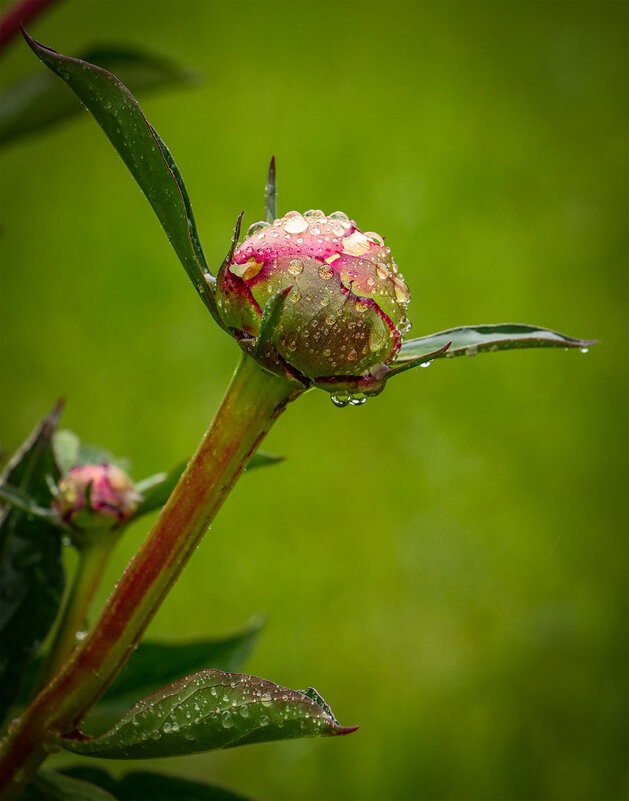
(96, 496)
(313, 297)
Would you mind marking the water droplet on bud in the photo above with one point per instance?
(341, 399)
(325, 272)
(257, 226)
(295, 266)
(296, 224)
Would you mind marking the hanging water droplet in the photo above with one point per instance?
(226, 720)
(341, 399)
(472, 350)
(374, 237)
(316, 213)
(357, 399)
(584, 350)
(425, 364)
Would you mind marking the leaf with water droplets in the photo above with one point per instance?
(207, 711)
(31, 572)
(119, 115)
(39, 102)
(472, 339)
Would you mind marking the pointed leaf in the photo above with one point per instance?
(145, 786)
(31, 572)
(207, 711)
(49, 785)
(472, 339)
(270, 195)
(117, 112)
(39, 102)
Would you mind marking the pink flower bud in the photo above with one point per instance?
(111, 494)
(343, 303)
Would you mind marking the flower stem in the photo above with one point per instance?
(252, 403)
(93, 557)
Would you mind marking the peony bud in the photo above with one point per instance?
(96, 496)
(315, 298)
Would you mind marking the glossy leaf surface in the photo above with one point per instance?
(472, 339)
(207, 711)
(117, 112)
(145, 786)
(31, 572)
(38, 102)
(49, 785)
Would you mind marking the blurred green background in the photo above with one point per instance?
(446, 564)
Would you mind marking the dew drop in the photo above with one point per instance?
(266, 699)
(226, 720)
(330, 319)
(357, 399)
(296, 224)
(264, 720)
(325, 301)
(382, 270)
(295, 266)
(244, 711)
(584, 350)
(401, 291)
(316, 213)
(472, 350)
(295, 296)
(256, 226)
(352, 355)
(361, 307)
(425, 364)
(325, 271)
(374, 237)
(341, 399)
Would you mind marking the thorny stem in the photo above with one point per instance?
(252, 403)
(93, 557)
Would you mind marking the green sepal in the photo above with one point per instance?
(468, 340)
(270, 194)
(207, 711)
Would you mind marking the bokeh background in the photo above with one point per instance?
(446, 564)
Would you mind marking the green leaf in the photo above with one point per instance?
(472, 339)
(145, 786)
(21, 500)
(48, 785)
(207, 711)
(117, 112)
(156, 489)
(39, 102)
(31, 572)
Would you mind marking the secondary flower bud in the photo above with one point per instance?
(96, 496)
(340, 303)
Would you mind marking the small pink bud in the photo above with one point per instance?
(343, 312)
(112, 496)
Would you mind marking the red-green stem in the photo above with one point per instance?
(251, 404)
(94, 554)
